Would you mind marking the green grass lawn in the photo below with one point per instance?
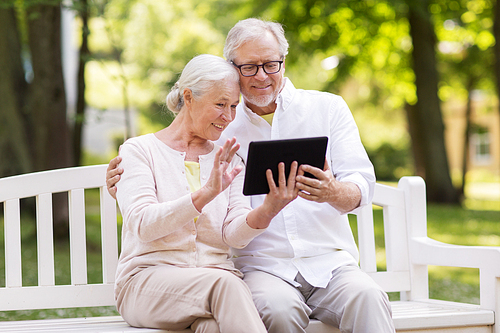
(449, 224)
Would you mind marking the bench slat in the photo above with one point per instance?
(45, 242)
(438, 314)
(78, 246)
(422, 315)
(109, 236)
(93, 324)
(53, 181)
(59, 296)
(366, 240)
(396, 248)
(12, 227)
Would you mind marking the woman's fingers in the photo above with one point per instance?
(285, 185)
(270, 181)
(281, 175)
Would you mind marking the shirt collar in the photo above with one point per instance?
(285, 96)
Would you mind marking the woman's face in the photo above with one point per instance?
(213, 111)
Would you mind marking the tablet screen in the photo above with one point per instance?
(263, 155)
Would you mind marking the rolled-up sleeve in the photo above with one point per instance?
(348, 158)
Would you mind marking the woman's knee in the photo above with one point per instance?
(227, 281)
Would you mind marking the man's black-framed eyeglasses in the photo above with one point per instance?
(270, 67)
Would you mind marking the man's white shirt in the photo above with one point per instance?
(307, 237)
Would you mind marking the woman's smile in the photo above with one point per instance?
(219, 127)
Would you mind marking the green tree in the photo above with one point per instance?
(84, 11)
(35, 133)
(496, 50)
(15, 152)
(425, 118)
(36, 112)
(466, 57)
(142, 46)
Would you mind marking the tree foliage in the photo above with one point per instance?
(364, 50)
(151, 41)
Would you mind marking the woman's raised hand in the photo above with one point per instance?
(220, 177)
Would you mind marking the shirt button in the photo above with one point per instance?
(194, 249)
(193, 232)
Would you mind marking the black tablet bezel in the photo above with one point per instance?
(263, 155)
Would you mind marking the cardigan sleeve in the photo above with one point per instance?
(143, 214)
(235, 231)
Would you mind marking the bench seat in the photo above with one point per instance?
(431, 315)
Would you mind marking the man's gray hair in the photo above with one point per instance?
(251, 29)
(200, 75)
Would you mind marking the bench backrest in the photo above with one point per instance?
(74, 181)
(47, 294)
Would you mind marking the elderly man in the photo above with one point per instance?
(305, 265)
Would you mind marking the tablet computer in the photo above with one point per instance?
(263, 155)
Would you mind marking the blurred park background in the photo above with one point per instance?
(422, 79)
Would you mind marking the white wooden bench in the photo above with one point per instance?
(408, 253)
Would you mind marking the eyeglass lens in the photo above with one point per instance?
(270, 67)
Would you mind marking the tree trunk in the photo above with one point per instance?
(416, 140)
(15, 154)
(426, 124)
(80, 102)
(467, 134)
(496, 49)
(48, 101)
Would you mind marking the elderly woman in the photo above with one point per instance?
(181, 200)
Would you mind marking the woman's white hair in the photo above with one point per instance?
(251, 29)
(200, 75)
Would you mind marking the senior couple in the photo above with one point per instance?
(196, 252)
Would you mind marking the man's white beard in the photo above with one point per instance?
(260, 101)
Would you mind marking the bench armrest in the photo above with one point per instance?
(427, 251)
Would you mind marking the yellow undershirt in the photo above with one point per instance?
(193, 177)
(269, 118)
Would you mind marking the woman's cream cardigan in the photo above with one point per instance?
(159, 216)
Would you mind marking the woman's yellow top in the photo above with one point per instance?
(193, 176)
